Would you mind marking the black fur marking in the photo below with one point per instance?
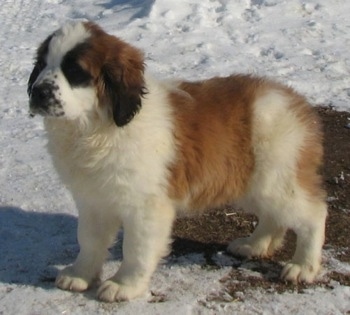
(126, 101)
(72, 70)
(40, 63)
(43, 100)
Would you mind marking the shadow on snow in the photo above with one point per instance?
(33, 243)
(143, 7)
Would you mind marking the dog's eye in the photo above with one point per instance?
(75, 74)
(73, 69)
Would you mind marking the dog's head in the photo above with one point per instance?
(81, 71)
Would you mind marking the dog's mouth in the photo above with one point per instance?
(45, 111)
(37, 110)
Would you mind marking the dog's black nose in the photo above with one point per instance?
(41, 93)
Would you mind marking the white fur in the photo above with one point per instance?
(64, 40)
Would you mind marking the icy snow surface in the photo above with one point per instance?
(302, 43)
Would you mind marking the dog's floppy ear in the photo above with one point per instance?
(124, 84)
(40, 63)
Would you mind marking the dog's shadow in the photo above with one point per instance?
(34, 245)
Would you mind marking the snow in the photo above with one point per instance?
(303, 43)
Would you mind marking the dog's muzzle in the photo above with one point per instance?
(43, 101)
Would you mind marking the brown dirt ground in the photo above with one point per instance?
(212, 231)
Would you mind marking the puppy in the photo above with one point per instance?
(134, 152)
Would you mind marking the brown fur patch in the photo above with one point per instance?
(311, 154)
(213, 132)
(119, 60)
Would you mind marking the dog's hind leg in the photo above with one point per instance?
(267, 237)
(294, 207)
(310, 230)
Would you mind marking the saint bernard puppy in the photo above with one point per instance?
(135, 151)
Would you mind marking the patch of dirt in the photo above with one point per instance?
(211, 232)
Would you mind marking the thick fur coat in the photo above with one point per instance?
(135, 152)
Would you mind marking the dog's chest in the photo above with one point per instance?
(109, 164)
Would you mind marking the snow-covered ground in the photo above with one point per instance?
(304, 43)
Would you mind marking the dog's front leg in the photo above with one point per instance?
(97, 229)
(146, 239)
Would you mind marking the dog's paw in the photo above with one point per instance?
(245, 248)
(111, 291)
(68, 280)
(299, 273)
